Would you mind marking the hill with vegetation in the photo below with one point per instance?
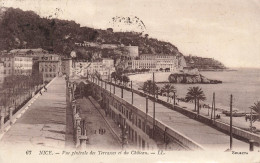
(204, 63)
(25, 29)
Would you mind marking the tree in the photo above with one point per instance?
(119, 77)
(256, 107)
(168, 88)
(253, 117)
(195, 94)
(150, 87)
(126, 79)
(114, 76)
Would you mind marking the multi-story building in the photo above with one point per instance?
(31, 61)
(144, 64)
(66, 66)
(16, 65)
(22, 65)
(104, 68)
(1, 73)
(166, 62)
(108, 62)
(28, 52)
(49, 66)
(8, 62)
(155, 62)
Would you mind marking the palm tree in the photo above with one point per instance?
(256, 107)
(148, 87)
(125, 79)
(114, 76)
(195, 94)
(168, 88)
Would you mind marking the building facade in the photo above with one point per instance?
(1, 73)
(66, 66)
(49, 66)
(22, 65)
(16, 65)
(8, 62)
(104, 68)
(154, 62)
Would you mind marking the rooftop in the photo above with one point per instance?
(38, 50)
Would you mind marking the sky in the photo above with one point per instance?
(228, 31)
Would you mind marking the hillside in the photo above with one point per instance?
(25, 29)
(203, 63)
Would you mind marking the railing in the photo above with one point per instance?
(185, 141)
(9, 117)
(79, 131)
(224, 127)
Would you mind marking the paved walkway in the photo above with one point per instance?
(95, 122)
(44, 123)
(208, 137)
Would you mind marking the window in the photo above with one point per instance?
(139, 123)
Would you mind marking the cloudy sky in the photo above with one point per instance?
(228, 31)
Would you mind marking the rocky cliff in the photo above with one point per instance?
(190, 79)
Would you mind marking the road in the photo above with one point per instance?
(95, 122)
(208, 137)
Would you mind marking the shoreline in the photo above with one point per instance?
(187, 83)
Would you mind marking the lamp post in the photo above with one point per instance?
(114, 89)
(132, 92)
(251, 119)
(153, 107)
(231, 141)
(110, 85)
(122, 92)
(174, 96)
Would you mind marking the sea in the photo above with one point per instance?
(243, 84)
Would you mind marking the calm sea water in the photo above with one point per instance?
(243, 84)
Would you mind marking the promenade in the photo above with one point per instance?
(208, 137)
(44, 123)
(48, 123)
(95, 124)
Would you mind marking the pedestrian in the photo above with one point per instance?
(45, 88)
(41, 92)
